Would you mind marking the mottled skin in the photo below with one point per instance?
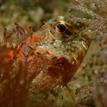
(66, 48)
(54, 53)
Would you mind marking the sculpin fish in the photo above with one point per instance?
(53, 53)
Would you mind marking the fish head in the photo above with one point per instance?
(64, 46)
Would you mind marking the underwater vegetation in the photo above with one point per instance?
(53, 58)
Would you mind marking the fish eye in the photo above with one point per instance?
(61, 28)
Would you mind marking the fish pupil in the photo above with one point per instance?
(61, 27)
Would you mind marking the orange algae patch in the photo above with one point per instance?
(9, 56)
(34, 39)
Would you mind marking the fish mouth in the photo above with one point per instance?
(60, 69)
